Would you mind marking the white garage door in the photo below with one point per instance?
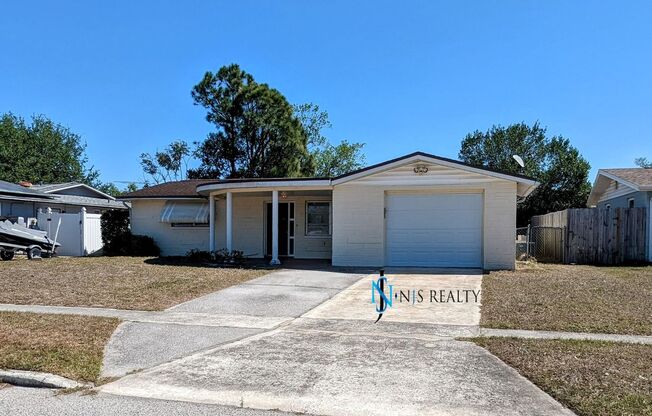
(434, 230)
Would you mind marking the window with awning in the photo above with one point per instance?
(182, 213)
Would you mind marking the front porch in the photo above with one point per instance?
(276, 223)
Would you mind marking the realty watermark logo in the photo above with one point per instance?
(383, 295)
(384, 299)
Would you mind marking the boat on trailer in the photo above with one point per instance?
(16, 237)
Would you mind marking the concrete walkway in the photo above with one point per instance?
(161, 317)
(522, 333)
(326, 363)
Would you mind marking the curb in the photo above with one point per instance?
(37, 379)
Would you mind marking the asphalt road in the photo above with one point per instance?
(19, 401)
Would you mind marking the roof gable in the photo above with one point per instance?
(613, 183)
(72, 188)
(424, 169)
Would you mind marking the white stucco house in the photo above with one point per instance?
(417, 210)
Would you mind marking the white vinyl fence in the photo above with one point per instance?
(79, 234)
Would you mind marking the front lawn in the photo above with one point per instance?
(71, 346)
(569, 298)
(112, 282)
(589, 377)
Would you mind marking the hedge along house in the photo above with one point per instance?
(417, 210)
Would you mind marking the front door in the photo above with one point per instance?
(285, 229)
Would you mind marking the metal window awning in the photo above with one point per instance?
(185, 212)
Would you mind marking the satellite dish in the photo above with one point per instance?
(519, 160)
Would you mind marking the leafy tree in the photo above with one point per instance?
(642, 162)
(42, 152)
(558, 166)
(131, 187)
(109, 188)
(257, 134)
(329, 160)
(170, 164)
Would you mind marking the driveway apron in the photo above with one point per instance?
(334, 360)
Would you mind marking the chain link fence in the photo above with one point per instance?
(545, 244)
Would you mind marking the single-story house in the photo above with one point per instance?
(624, 188)
(25, 200)
(416, 210)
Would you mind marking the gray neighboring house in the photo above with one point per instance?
(24, 200)
(624, 188)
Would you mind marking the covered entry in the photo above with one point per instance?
(433, 229)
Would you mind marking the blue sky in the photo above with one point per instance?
(400, 76)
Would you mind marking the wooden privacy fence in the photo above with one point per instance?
(598, 236)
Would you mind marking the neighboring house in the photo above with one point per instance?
(416, 210)
(25, 199)
(624, 188)
(74, 218)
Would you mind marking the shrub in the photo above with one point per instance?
(222, 256)
(128, 244)
(143, 245)
(118, 240)
(195, 255)
(114, 223)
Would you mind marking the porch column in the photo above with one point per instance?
(229, 221)
(275, 260)
(211, 222)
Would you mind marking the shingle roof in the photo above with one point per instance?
(88, 201)
(176, 189)
(15, 189)
(637, 176)
(188, 188)
(51, 187)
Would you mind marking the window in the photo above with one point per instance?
(630, 203)
(318, 219)
(608, 206)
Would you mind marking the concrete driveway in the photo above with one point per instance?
(334, 360)
(220, 317)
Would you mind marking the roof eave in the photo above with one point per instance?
(244, 185)
(131, 198)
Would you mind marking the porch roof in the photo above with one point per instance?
(261, 184)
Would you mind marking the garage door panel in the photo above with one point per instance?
(435, 230)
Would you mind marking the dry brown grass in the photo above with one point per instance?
(112, 282)
(71, 346)
(569, 298)
(589, 377)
